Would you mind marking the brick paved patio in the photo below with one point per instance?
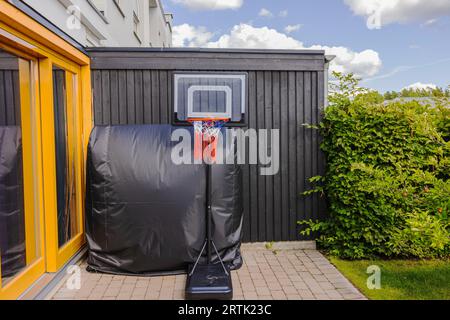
(266, 274)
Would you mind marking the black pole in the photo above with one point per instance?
(208, 213)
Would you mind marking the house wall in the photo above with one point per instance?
(114, 27)
(285, 90)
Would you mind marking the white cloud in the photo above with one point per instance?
(265, 13)
(429, 23)
(186, 35)
(365, 63)
(383, 12)
(283, 13)
(421, 86)
(210, 4)
(292, 28)
(247, 36)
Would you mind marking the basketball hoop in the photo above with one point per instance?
(206, 134)
(208, 281)
(209, 101)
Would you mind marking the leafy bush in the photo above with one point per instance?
(388, 174)
(423, 236)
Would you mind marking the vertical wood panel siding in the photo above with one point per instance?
(282, 100)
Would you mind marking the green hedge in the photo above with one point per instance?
(388, 177)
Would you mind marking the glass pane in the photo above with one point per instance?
(65, 151)
(18, 223)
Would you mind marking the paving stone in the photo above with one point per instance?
(63, 295)
(152, 295)
(238, 291)
(112, 292)
(285, 282)
(166, 295)
(250, 295)
(259, 283)
(124, 296)
(275, 285)
(323, 296)
(130, 280)
(115, 283)
(262, 291)
(139, 292)
(95, 297)
(142, 284)
(178, 295)
(290, 290)
(289, 274)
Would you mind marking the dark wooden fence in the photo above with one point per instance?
(285, 90)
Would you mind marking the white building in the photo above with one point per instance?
(109, 23)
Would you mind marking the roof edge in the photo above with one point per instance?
(35, 15)
(206, 50)
(329, 58)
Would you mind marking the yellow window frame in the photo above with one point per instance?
(32, 175)
(25, 37)
(57, 257)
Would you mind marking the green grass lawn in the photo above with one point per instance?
(400, 279)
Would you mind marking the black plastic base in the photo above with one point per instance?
(209, 282)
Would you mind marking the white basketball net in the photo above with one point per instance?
(206, 133)
(208, 128)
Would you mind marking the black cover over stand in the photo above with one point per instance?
(144, 214)
(209, 281)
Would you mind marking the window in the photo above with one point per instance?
(136, 8)
(136, 20)
(33, 239)
(100, 5)
(119, 5)
(136, 24)
(91, 39)
(19, 216)
(64, 99)
(136, 27)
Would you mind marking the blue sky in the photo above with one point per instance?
(410, 42)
